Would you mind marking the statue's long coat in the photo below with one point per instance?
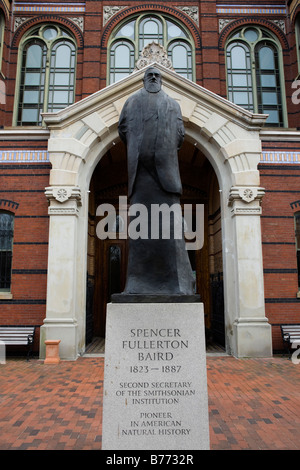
(169, 138)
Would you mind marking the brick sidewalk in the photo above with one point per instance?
(253, 404)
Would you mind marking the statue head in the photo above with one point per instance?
(152, 80)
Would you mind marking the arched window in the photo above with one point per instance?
(121, 59)
(181, 57)
(6, 243)
(254, 77)
(129, 39)
(46, 79)
(150, 29)
(239, 76)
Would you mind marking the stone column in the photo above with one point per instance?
(60, 322)
(251, 330)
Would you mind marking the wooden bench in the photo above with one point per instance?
(290, 334)
(18, 336)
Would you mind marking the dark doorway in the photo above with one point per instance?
(107, 259)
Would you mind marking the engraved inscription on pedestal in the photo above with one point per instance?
(155, 388)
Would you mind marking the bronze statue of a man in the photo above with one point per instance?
(151, 126)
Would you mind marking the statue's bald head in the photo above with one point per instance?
(152, 80)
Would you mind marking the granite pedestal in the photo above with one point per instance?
(155, 386)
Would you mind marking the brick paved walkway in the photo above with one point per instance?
(253, 404)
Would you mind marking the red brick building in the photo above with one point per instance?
(85, 52)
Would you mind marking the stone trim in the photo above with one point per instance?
(19, 20)
(78, 20)
(153, 52)
(223, 22)
(109, 11)
(191, 11)
(245, 200)
(63, 200)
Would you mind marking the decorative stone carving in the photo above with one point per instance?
(78, 20)
(248, 194)
(245, 201)
(280, 24)
(192, 12)
(61, 194)
(19, 21)
(108, 12)
(153, 52)
(223, 22)
(63, 200)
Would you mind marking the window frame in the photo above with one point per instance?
(149, 37)
(189, 57)
(35, 36)
(7, 290)
(268, 39)
(125, 70)
(39, 87)
(137, 21)
(55, 71)
(231, 88)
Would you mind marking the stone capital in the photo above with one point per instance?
(63, 200)
(245, 200)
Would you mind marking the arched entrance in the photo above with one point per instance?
(107, 259)
(228, 136)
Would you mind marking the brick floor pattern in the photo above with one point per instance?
(253, 404)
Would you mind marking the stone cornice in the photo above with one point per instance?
(277, 135)
(24, 133)
(245, 200)
(63, 200)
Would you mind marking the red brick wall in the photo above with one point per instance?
(24, 185)
(282, 185)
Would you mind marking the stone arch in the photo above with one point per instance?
(227, 135)
(154, 8)
(271, 26)
(26, 25)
